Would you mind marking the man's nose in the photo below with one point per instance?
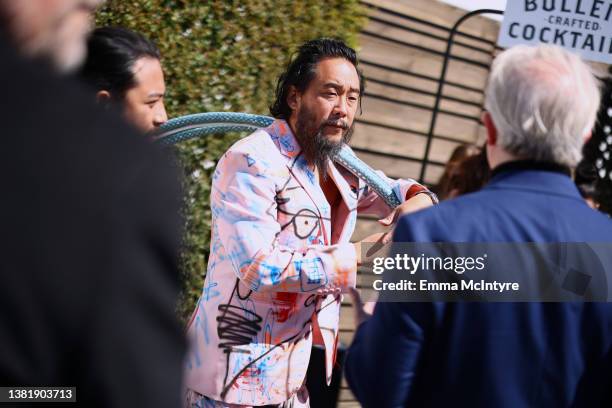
(160, 117)
(341, 108)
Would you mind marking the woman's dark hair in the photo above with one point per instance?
(111, 54)
(585, 178)
(302, 69)
(466, 171)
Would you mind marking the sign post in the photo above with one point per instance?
(581, 26)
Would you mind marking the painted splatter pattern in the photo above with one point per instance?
(272, 256)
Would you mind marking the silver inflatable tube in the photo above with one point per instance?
(201, 124)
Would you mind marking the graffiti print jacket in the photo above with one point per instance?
(271, 251)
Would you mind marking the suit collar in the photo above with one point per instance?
(527, 178)
(531, 165)
(287, 144)
(283, 137)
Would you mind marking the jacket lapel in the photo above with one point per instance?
(349, 198)
(289, 147)
(535, 181)
(327, 317)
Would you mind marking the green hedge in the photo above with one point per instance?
(223, 56)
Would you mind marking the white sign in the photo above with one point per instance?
(581, 26)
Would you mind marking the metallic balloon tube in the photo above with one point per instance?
(202, 124)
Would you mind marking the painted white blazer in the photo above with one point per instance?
(271, 250)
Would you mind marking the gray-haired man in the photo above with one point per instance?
(541, 102)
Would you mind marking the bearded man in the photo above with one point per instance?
(283, 214)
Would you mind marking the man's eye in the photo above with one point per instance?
(331, 94)
(353, 98)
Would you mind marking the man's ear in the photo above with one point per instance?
(293, 98)
(487, 120)
(103, 97)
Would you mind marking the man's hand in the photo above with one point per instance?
(379, 238)
(329, 291)
(418, 202)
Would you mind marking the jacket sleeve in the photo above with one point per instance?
(390, 342)
(135, 337)
(243, 202)
(371, 203)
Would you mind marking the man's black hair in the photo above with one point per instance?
(111, 54)
(302, 70)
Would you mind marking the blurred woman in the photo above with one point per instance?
(585, 178)
(466, 171)
(124, 68)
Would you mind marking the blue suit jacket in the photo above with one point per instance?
(491, 354)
